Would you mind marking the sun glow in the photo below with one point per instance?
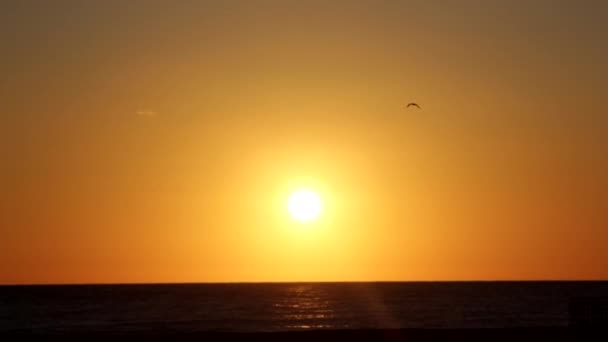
(304, 205)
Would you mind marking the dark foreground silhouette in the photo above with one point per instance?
(511, 334)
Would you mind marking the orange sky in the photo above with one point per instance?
(153, 141)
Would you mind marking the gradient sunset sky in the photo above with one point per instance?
(158, 141)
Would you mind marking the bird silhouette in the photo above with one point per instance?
(412, 104)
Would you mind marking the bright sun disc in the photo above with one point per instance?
(304, 205)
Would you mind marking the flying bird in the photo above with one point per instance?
(412, 104)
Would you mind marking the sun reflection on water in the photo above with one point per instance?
(306, 307)
(333, 306)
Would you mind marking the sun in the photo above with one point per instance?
(304, 205)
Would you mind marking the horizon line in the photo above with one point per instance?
(307, 282)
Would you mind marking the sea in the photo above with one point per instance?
(271, 307)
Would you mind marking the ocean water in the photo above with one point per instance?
(290, 306)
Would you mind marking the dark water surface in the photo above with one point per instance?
(289, 306)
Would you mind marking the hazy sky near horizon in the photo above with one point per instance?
(157, 141)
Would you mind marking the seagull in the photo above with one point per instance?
(412, 104)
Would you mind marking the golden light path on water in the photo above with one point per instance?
(327, 306)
